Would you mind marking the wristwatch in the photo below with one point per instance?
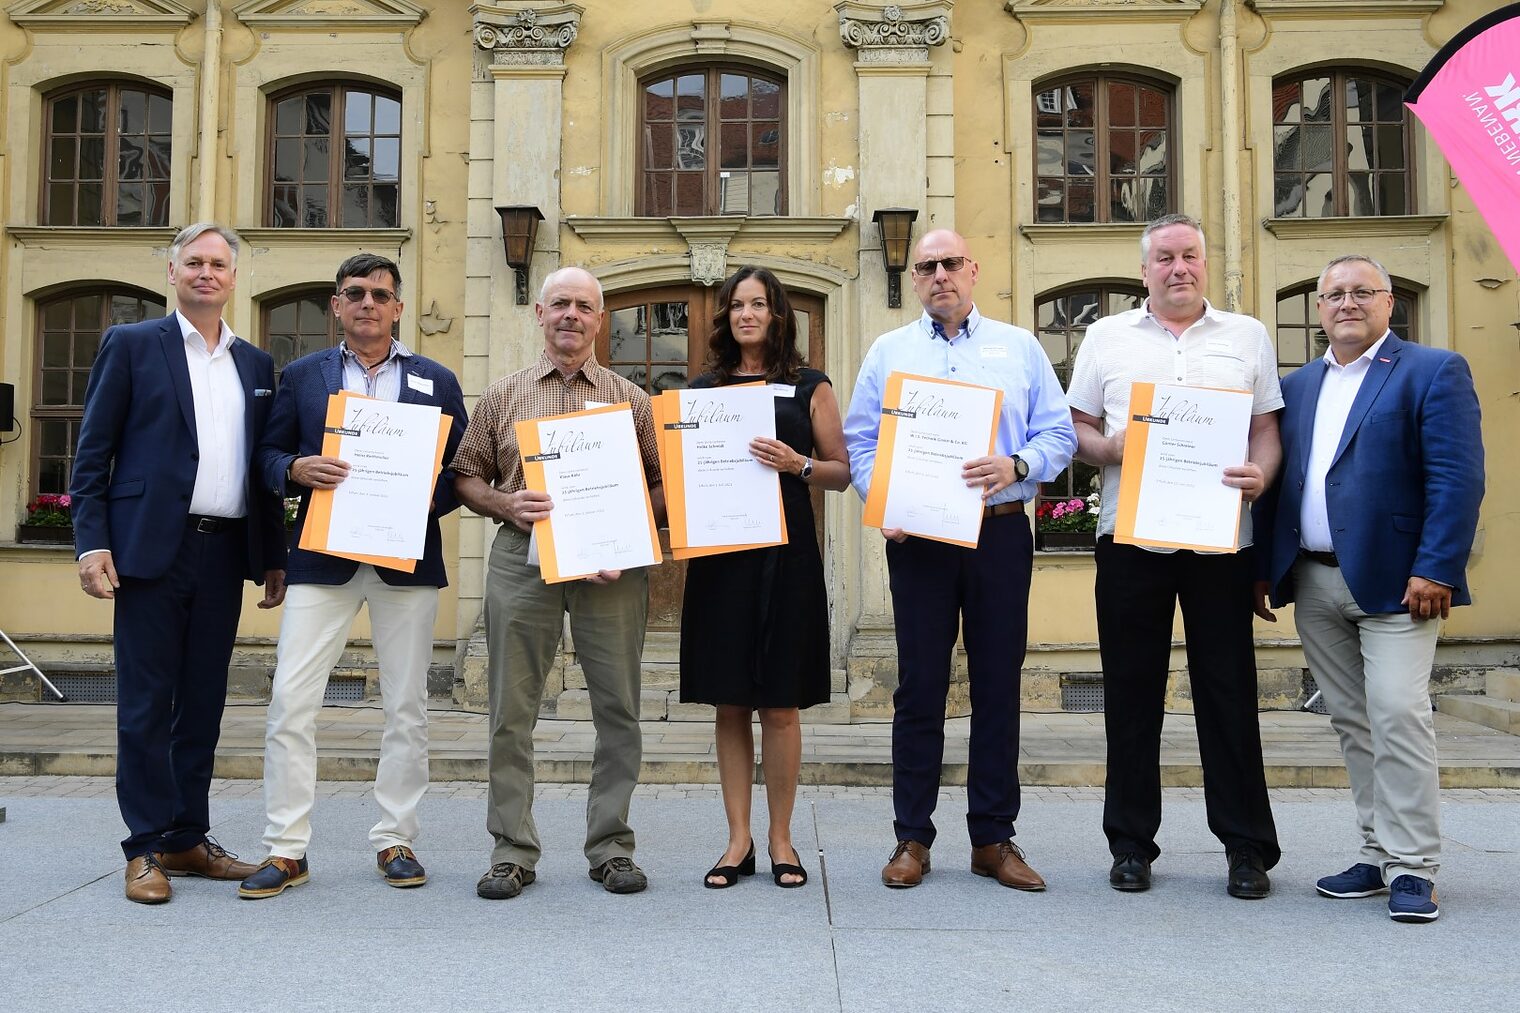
(1020, 468)
(807, 469)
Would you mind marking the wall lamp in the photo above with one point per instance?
(519, 228)
(896, 225)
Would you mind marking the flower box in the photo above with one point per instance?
(1065, 541)
(45, 534)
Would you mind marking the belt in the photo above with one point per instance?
(1002, 509)
(1322, 558)
(212, 525)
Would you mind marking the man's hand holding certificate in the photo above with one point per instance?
(929, 430)
(1179, 442)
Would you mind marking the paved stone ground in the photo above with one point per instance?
(842, 943)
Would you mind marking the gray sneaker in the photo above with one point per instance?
(620, 875)
(504, 880)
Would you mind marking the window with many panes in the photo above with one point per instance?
(1300, 338)
(334, 158)
(712, 141)
(298, 324)
(69, 327)
(1340, 146)
(1103, 150)
(106, 153)
(1062, 318)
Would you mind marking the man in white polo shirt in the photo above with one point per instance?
(1176, 337)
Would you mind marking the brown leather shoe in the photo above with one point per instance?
(1004, 862)
(208, 860)
(146, 882)
(908, 865)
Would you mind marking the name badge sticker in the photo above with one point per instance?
(994, 351)
(783, 389)
(419, 383)
(1219, 346)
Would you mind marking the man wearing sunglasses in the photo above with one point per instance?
(939, 589)
(325, 592)
(1368, 534)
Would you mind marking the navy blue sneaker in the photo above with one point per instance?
(1361, 880)
(1412, 899)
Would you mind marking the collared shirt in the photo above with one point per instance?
(1220, 349)
(489, 448)
(1034, 423)
(221, 473)
(385, 382)
(1336, 393)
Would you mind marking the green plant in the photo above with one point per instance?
(49, 510)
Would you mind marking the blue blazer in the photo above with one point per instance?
(136, 456)
(295, 430)
(1403, 490)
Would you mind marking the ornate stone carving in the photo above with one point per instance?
(526, 35)
(66, 15)
(709, 263)
(346, 14)
(915, 26)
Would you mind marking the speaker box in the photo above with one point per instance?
(7, 407)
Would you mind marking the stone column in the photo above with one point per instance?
(892, 43)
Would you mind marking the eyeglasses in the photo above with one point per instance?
(926, 268)
(1363, 296)
(355, 294)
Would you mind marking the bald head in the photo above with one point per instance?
(576, 275)
(945, 290)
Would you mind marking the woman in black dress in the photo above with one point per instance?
(755, 624)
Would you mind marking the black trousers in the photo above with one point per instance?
(1137, 594)
(938, 589)
(174, 638)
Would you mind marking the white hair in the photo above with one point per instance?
(1354, 258)
(1166, 222)
(190, 233)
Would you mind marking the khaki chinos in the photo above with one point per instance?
(523, 627)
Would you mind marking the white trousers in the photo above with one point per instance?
(1375, 673)
(313, 632)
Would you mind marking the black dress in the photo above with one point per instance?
(755, 624)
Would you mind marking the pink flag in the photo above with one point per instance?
(1468, 97)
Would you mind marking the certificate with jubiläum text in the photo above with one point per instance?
(929, 429)
(589, 464)
(718, 494)
(1171, 489)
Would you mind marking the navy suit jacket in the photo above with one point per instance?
(1403, 490)
(295, 430)
(136, 457)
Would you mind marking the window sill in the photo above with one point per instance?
(268, 236)
(630, 229)
(1083, 232)
(81, 236)
(1353, 228)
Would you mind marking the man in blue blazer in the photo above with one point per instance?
(169, 520)
(1368, 531)
(325, 591)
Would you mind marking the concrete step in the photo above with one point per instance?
(1503, 685)
(1503, 715)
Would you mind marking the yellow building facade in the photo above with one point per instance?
(667, 142)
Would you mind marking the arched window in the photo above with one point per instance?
(298, 324)
(712, 141)
(106, 156)
(1300, 338)
(1103, 150)
(69, 327)
(1062, 318)
(1340, 146)
(334, 158)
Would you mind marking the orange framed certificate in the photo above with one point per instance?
(929, 429)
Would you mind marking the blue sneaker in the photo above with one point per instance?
(1361, 880)
(1412, 899)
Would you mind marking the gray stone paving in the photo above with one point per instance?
(843, 943)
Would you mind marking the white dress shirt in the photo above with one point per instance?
(1336, 394)
(221, 475)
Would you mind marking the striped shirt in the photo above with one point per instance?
(489, 448)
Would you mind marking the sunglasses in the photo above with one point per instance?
(355, 294)
(926, 268)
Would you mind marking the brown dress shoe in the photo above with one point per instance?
(146, 882)
(1004, 862)
(208, 860)
(908, 865)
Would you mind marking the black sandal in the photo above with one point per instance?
(779, 869)
(729, 874)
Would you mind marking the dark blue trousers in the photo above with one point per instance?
(174, 637)
(938, 590)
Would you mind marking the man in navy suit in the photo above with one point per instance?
(326, 591)
(1368, 532)
(169, 521)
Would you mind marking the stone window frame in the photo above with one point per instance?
(270, 302)
(340, 90)
(110, 180)
(795, 61)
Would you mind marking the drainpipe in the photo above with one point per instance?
(211, 76)
(1229, 91)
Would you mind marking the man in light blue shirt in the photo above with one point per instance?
(939, 588)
